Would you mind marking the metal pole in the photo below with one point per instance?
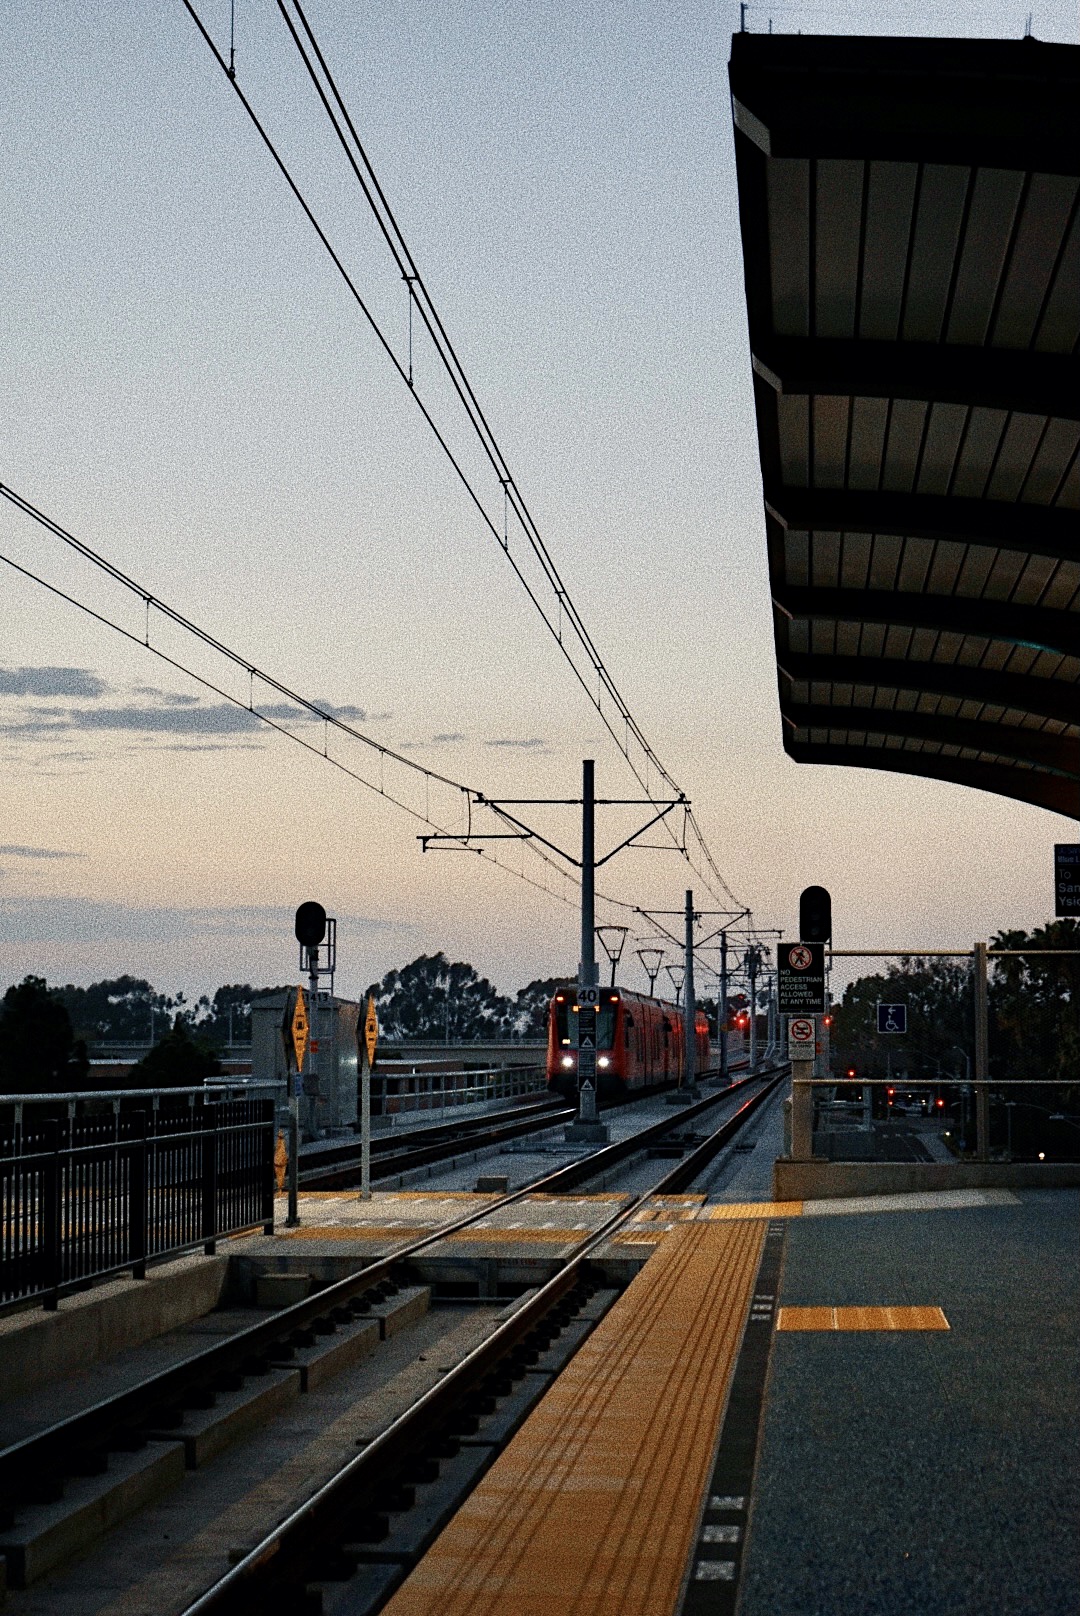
(689, 1039)
(313, 1045)
(722, 1009)
(982, 1055)
(751, 969)
(587, 972)
(365, 1125)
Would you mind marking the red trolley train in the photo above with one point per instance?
(639, 1042)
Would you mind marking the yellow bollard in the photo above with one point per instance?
(281, 1161)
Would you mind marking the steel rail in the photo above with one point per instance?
(43, 1456)
(334, 1513)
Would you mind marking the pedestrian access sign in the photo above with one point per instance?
(800, 979)
(1066, 879)
(299, 1029)
(892, 1018)
(371, 1030)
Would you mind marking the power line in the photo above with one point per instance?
(418, 294)
(328, 717)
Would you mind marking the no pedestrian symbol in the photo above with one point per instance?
(801, 978)
(892, 1018)
(802, 1037)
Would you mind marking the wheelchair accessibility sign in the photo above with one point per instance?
(892, 1018)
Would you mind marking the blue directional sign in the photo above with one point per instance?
(892, 1018)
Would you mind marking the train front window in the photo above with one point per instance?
(565, 1021)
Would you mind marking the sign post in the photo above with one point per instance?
(298, 1032)
(802, 1042)
(587, 1125)
(367, 1057)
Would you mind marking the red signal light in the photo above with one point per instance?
(941, 1103)
(851, 1071)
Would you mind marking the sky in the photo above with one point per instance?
(191, 391)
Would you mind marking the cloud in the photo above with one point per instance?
(27, 922)
(50, 682)
(145, 718)
(13, 850)
(524, 745)
(444, 740)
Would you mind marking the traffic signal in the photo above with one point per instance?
(851, 1071)
(310, 925)
(815, 915)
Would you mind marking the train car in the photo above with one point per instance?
(639, 1042)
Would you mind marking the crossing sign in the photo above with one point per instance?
(371, 1030)
(299, 1029)
(892, 1018)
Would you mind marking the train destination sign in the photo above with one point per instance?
(800, 978)
(1066, 879)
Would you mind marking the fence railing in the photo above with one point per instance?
(90, 1189)
(395, 1093)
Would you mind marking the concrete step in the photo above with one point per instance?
(399, 1311)
(205, 1431)
(329, 1355)
(46, 1534)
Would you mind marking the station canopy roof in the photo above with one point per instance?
(911, 239)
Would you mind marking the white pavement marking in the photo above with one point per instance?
(715, 1571)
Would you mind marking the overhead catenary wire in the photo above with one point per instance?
(563, 605)
(471, 795)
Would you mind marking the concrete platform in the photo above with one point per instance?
(918, 1470)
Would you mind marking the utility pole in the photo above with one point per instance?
(721, 1009)
(587, 974)
(588, 864)
(753, 959)
(689, 1005)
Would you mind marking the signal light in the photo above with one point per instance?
(941, 1104)
(851, 1071)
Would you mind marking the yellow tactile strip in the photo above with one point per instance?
(752, 1209)
(861, 1318)
(592, 1508)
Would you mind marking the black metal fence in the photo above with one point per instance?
(86, 1191)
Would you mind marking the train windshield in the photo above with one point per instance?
(605, 1020)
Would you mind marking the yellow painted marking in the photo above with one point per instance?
(861, 1318)
(752, 1209)
(593, 1507)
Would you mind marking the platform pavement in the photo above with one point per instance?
(925, 1473)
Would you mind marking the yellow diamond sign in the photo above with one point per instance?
(299, 1029)
(371, 1030)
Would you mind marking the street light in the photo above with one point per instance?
(676, 973)
(614, 945)
(650, 963)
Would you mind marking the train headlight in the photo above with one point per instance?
(603, 1061)
(568, 1060)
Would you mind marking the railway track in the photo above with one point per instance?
(79, 1445)
(392, 1156)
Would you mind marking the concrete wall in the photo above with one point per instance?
(37, 1347)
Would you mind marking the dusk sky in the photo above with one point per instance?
(190, 390)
